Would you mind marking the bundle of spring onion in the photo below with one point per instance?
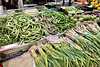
(86, 45)
(70, 42)
(39, 63)
(82, 31)
(94, 29)
(76, 59)
(81, 50)
(61, 55)
(77, 46)
(60, 20)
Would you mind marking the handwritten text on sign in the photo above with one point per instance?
(53, 38)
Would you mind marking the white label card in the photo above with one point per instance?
(53, 38)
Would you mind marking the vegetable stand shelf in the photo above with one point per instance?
(17, 51)
(3, 15)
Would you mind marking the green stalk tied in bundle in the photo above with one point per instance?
(75, 58)
(88, 35)
(57, 59)
(62, 55)
(70, 43)
(48, 60)
(61, 61)
(44, 57)
(86, 45)
(38, 62)
(95, 29)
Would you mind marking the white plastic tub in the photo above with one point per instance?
(1, 9)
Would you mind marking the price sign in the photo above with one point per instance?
(53, 38)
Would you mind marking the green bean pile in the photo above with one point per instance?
(24, 28)
(5, 34)
(46, 24)
(60, 20)
(61, 55)
(19, 28)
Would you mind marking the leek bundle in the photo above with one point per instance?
(70, 42)
(75, 57)
(62, 55)
(38, 62)
(95, 29)
(86, 45)
(82, 31)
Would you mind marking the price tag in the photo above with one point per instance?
(53, 38)
(34, 63)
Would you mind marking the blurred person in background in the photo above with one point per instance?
(10, 4)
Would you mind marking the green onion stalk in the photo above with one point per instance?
(44, 57)
(88, 36)
(70, 42)
(60, 54)
(57, 59)
(74, 45)
(38, 62)
(86, 45)
(93, 28)
(48, 61)
(76, 58)
(68, 60)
